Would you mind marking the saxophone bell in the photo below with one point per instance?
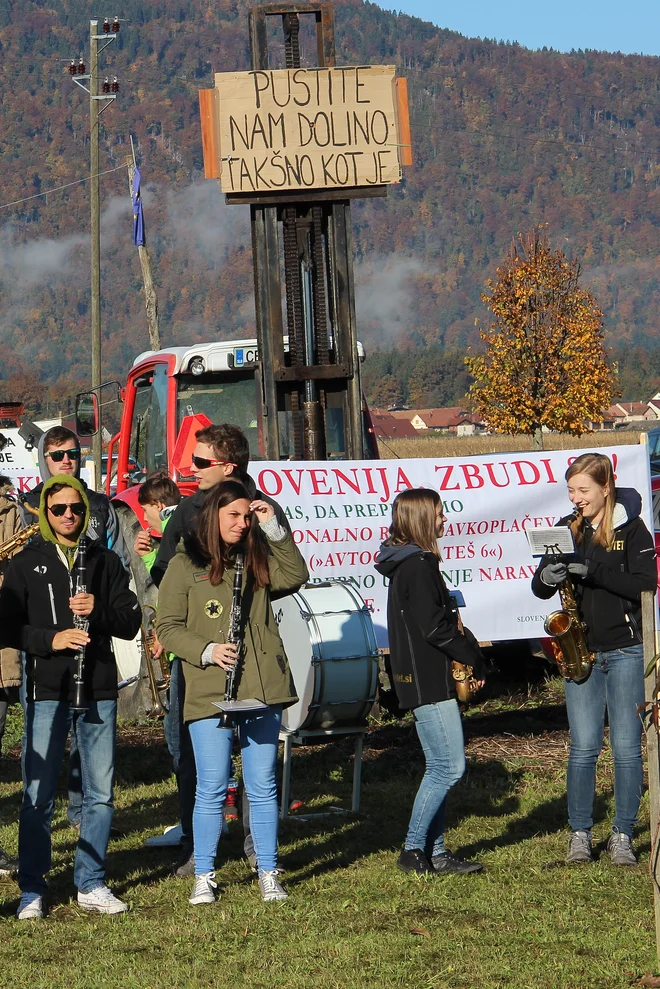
(568, 631)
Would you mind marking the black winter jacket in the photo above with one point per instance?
(423, 628)
(34, 605)
(609, 597)
(183, 522)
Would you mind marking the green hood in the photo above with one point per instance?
(44, 525)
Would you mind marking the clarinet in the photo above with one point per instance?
(82, 622)
(235, 637)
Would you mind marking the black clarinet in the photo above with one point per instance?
(79, 582)
(235, 637)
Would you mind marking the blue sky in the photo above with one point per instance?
(608, 25)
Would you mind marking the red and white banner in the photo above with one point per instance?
(340, 513)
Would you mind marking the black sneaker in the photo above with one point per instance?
(8, 866)
(185, 864)
(452, 863)
(414, 860)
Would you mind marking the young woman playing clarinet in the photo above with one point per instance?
(194, 612)
(614, 562)
(424, 638)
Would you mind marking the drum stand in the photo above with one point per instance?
(298, 737)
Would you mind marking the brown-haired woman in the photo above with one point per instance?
(424, 639)
(613, 563)
(193, 621)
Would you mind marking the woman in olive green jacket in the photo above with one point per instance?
(194, 606)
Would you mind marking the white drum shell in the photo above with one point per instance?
(330, 643)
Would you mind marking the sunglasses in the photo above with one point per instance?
(77, 508)
(59, 455)
(201, 463)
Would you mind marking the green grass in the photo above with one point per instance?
(353, 920)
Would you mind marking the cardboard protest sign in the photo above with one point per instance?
(308, 128)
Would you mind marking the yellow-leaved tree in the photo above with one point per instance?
(545, 362)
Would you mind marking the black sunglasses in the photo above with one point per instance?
(58, 455)
(78, 508)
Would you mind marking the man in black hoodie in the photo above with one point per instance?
(38, 611)
(58, 453)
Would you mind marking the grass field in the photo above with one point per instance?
(445, 445)
(353, 921)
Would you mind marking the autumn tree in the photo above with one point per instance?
(544, 363)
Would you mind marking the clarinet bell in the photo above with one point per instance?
(79, 703)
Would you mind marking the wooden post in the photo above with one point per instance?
(150, 297)
(95, 234)
(652, 749)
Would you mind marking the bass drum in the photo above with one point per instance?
(330, 642)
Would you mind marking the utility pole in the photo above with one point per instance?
(95, 229)
(108, 94)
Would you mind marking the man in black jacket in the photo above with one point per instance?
(38, 612)
(222, 453)
(58, 453)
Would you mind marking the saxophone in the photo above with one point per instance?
(569, 641)
(11, 545)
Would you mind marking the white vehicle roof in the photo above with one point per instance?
(214, 355)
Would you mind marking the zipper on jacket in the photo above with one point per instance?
(412, 659)
(261, 645)
(52, 603)
(632, 626)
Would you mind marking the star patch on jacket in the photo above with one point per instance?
(213, 609)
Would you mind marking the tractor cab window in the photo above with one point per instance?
(148, 447)
(223, 397)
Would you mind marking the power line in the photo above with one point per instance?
(59, 188)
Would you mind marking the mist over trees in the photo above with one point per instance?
(504, 139)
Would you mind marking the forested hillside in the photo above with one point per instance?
(504, 139)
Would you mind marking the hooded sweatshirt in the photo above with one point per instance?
(609, 597)
(422, 623)
(34, 606)
(103, 524)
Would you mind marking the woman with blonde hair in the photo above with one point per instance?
(614, 562)
(424, 638)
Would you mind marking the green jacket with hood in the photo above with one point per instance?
(34, 606)
(193, 613)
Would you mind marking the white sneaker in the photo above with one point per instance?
(204, 889)
(31, 907)
(101, 899)
(271, 888)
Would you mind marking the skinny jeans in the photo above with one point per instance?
(258, 736)
(615, 685)
(440, 732)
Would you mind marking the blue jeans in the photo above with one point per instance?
(179, 745)
(258, 737)
(616, 683)
(74, 784)
(47, 726)
(440, 731)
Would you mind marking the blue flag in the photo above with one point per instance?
(138, 214)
